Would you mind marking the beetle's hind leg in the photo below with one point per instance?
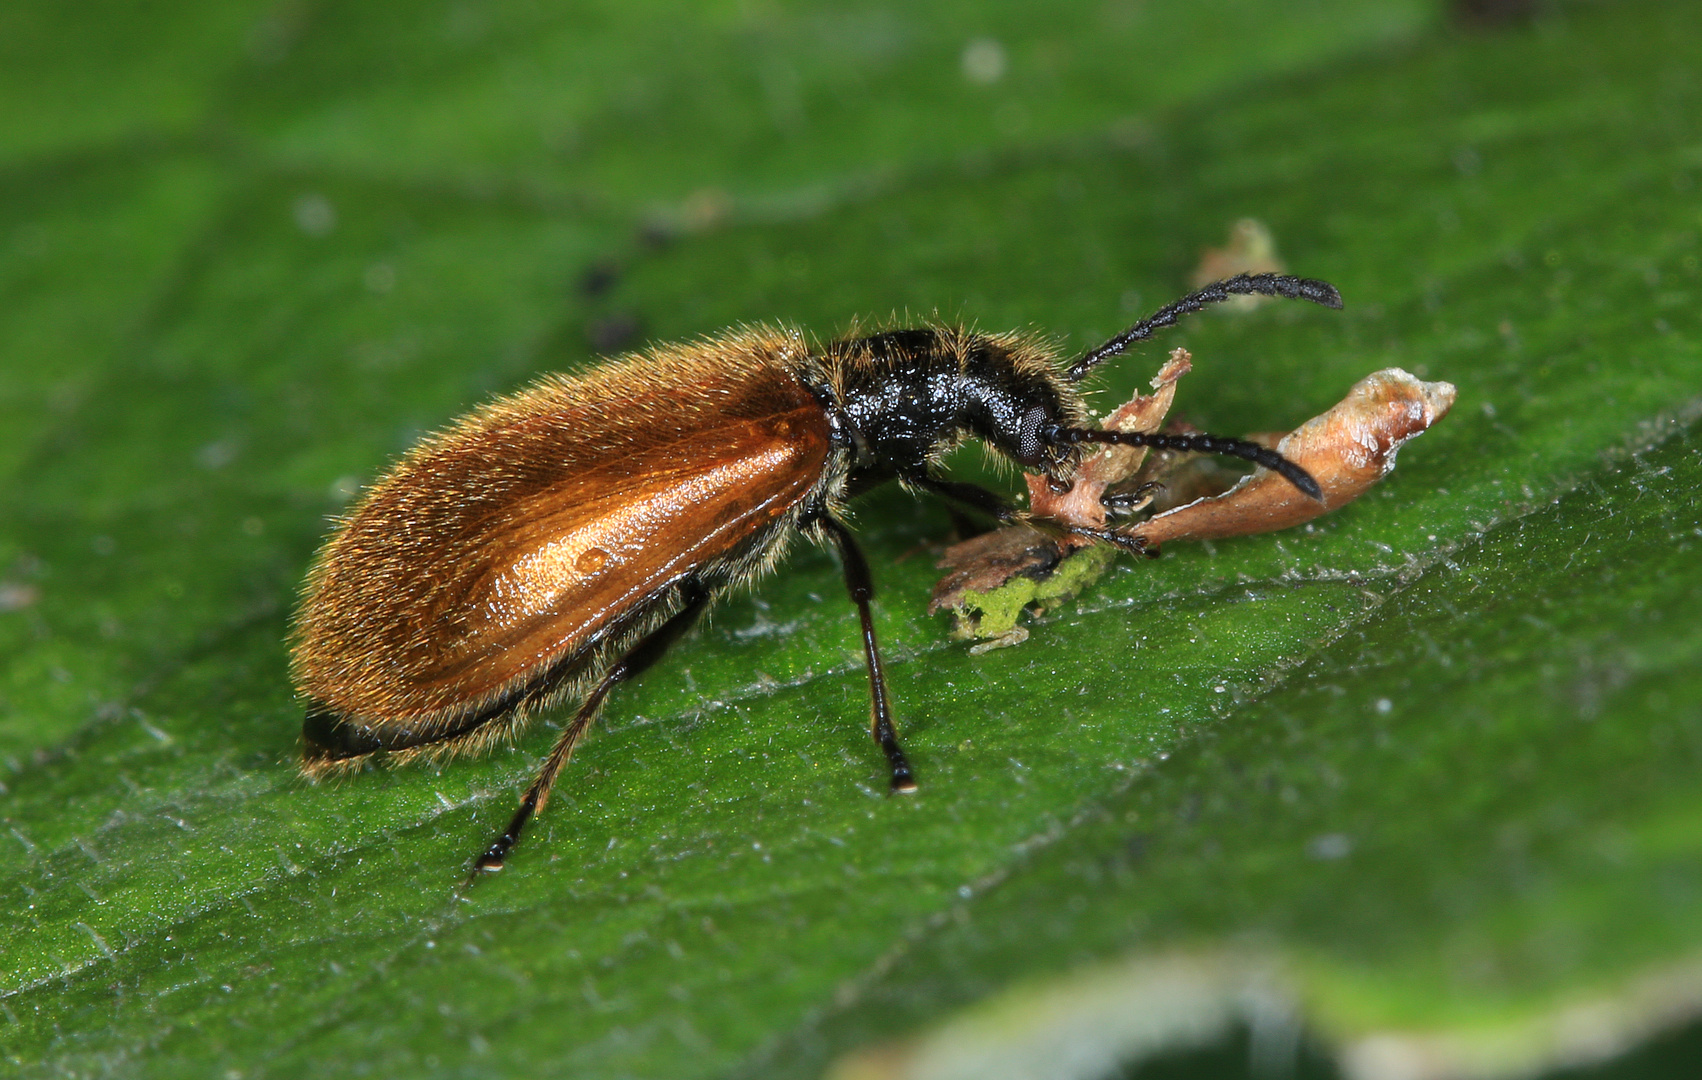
(638, 658)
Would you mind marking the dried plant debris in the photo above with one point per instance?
(993, 578)
(1346, 450)
(1251, 250)
(15, 596)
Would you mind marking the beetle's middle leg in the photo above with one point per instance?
(862, 589)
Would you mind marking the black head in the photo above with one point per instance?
(907, 396)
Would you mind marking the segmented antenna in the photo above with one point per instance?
(1200, 444)
(1294, 288)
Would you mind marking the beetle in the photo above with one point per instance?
(554, 543)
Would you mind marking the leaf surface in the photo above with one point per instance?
(1439, 752)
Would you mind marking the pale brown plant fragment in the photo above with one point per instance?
(1347, 449)
(15, 597)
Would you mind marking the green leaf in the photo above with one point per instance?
(1428, 768)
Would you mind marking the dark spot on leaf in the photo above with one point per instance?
(613, 333)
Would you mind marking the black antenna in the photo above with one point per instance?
(1294, 288)
(1198, 444)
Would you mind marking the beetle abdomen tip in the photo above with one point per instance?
(327, 738)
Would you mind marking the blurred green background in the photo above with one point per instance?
(1413, 792)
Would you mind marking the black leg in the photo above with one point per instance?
(861, 587)
(638, 658)
(993, 505)
(1131, 501)
(973, 496)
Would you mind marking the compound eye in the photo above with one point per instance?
(1031, 448)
